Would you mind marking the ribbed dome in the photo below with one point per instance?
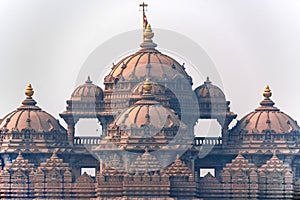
(147, 62)
(267, 118)
(148, 112)
(29, 116)
(87, 92)
(212, 102)
(208, 92)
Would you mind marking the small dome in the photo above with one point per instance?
(87, 92)
(212, 102)
(266, 118)
(31, 117)
(209, 92)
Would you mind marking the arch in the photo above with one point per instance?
(207, 128)
(88, 127)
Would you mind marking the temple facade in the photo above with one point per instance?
(148, 149)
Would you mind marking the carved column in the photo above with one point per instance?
(71, 133)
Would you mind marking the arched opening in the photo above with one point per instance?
(88, 128)
(207, 128)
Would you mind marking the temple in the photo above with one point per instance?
(148, 148)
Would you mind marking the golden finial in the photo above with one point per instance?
(147, 87)
(29, 91)
(148, 27)
(267, 93)
(148, 34)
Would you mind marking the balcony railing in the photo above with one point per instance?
(210, 141)
(87, 141)
(198, 141)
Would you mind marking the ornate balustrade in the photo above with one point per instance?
(87, 141)
(198, 141)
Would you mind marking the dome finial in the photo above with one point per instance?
(29, 91)
(267, 92)
(147, 87)
(88, 80)
(148, 35)
(267, 103)
(207, 80)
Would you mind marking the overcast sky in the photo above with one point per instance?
(251, 43)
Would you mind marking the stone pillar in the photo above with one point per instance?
(224, 136)
(101, 166)
(71, 133)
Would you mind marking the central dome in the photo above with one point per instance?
(151, 63)
(147, 62)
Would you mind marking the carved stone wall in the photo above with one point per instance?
(240, 179)
(275, 180)
(16, 179)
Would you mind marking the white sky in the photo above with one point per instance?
(252, 43)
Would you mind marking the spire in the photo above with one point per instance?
(147, 87)
(207, 80)
(88, 81)
(29, 102)
(267, 104)
(147, 97)
(148, 35)
(147, 90)
(29, 91)
(144, 8)
(267, 92)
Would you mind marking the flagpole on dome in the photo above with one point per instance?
(145, 21)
